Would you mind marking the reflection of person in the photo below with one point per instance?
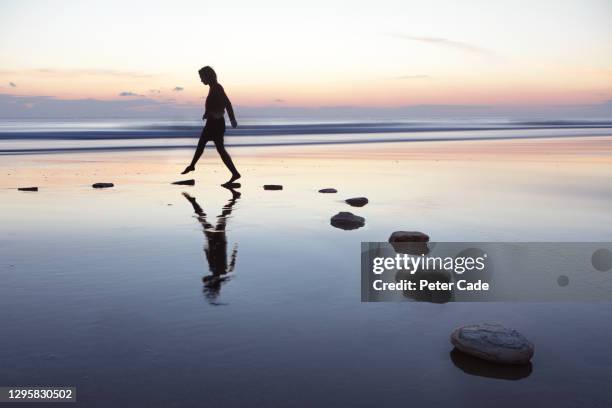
(216, 246)
(214, 129)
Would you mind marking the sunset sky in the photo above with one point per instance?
(315, 53)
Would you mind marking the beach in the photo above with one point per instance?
(103, 288)
(315, 204)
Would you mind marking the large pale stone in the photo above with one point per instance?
(493, 342)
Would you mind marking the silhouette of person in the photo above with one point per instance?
(214, 129)
(216, 246)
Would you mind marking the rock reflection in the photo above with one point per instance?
(563, 281)
(475, 366)
(431, 276)
(440, 275)
(474, 275)
(215, 247)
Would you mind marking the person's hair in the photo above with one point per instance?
(208, 72)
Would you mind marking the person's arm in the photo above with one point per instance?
(230, 110)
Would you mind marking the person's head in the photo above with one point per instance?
(207, 75)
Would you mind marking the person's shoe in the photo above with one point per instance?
(234, 178)
(188, 169)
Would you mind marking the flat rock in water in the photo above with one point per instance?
(273, 187)
(347, 221)
(408, 236)
(185, 182)
(102, 185)
(493, 342)
(328, 190)
(410, 242)
(27, 188)
(357, 201)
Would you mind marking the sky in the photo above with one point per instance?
(387, 53)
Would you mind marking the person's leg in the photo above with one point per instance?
(198, 152)
(227, 160)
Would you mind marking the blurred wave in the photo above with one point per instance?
(24, 137)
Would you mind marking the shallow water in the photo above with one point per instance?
(103, 289)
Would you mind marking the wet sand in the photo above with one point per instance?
(103, 289)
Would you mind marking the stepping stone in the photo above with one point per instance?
(409, 242)
(357, 201)
(272, 187)
(28, 189)
(328, 190)
(493, 342)
(409, 236)
(185, 182)
(102, 185)
(347, 221)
